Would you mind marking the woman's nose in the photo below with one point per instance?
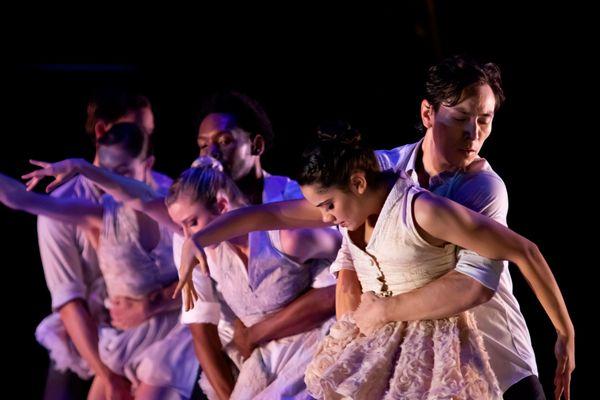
(328, 218)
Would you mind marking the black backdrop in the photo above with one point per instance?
(364, 66)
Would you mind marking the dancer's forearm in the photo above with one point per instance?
(305, 313)
(213, 360)
(281, 215)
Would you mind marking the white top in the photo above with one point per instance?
(252, 292)
(69, 259)
(500, 321)
(128, 268)
(396, 259)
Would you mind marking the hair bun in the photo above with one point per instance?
(207, 162)
(340, 132)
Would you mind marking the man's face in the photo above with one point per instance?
(460, 131)
(220, 138)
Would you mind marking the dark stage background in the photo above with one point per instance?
(366, 67)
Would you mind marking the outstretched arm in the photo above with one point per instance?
(444, 219)
(291, 214)
(82, 212)
(136, 194)
(439, 218)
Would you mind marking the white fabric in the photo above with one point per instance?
(500, 321)
(269, 282)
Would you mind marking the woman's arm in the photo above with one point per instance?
(135, 194)
(291, 214)
(82, 212)
(280, 215)
(347, 292)
(449, 221)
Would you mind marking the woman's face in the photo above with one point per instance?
(116, 159)
(341, 207)
(191, 215)
(460, 131)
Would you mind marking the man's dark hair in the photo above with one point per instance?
(111, 104)
(446, 81)
(247, 113)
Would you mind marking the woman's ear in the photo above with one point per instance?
(358, 182)
(222, 205)
(427, 112)
(258, 145)
(149, 163)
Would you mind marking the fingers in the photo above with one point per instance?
(370, 294)
(193, 292)
(567, 385)
(189, 301)
(53, 185)
(558, 378)
(38, 173)
(32, 183)
(42, 164)
(178, 288)
(203, 266)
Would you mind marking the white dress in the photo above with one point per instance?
(159, 351)
(275, 370)
(428, 359)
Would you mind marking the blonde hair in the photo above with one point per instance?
(203, 184)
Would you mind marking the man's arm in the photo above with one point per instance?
(475, 279)
(303, 314)
(213, 360)
(307, 311)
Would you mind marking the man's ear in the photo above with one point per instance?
(258, 145)
(427, 114)
(100, 128)
(358, 182)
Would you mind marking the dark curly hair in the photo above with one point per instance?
(339, 152)
(247, 113)
(446, 81)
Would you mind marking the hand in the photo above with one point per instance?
(370, 314)
(117, 387)
(126, 313)
(191, 257)
(564, 350)
(10, 191)
(242, 339)
(62, 172)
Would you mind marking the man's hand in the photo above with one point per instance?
(242, 339)
(370, 314)
(564, 350)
